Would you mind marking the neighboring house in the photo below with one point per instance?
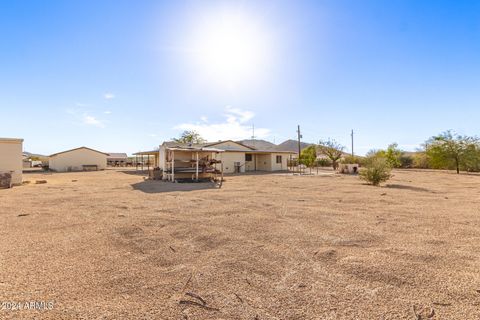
(79, 159)
(117, 159)
(11, 158)
(236, 157)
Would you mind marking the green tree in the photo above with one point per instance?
(308, 156)
(471, 161)
(332, 150)
(393, 155)
(452, 151)
(189, 137)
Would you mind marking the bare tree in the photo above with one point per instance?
(332, 150)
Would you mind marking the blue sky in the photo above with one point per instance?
(123, 76)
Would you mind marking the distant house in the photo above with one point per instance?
(117, 159)
(11, 157)
(79, 159)
(236, 157)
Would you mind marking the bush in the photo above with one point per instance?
(376, 171)
(420, 160)
(354, 160)
(406, 161)
(323, 162)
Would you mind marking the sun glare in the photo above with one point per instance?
(230, 48)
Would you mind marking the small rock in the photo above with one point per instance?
(40, 181)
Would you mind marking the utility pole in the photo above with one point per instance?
(253, 134)
(299, 135)
(352, 143)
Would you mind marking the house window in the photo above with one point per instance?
(279, 159)
(248, 157)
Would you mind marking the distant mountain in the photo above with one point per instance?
(259, 144)
(292, 145)
(29, 154)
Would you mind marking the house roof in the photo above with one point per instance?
(56, 154)
(223, 141)
(117, 155)
(146, 153)
(187, 146)
(11, 140)
(258, 144)
(193, 148)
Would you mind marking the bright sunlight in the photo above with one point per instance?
(230, 47)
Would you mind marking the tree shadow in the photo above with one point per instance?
(404, 187)
(156, 186)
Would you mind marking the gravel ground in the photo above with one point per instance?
(109, 245)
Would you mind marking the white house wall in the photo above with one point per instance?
(11, 158)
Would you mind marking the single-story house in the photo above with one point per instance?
(191, 162)
(79, 159)
(235, 157)
(117, 159)
(11, 158)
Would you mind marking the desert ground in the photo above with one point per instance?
(109, 245)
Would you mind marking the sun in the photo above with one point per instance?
(230, 47)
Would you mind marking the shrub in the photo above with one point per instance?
(323, 162)
(376, 171)
(406, 161)
(354, 160)
(420, 160)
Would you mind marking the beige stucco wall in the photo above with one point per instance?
(229, 158)
(264, 162)
(274, 166)
(11, 158)
(74, 160)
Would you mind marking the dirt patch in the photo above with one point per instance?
(275, 246)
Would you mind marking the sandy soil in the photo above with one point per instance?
(108, 245)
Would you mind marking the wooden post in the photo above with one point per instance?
(196, 168)
(173, 166)
(148, 165)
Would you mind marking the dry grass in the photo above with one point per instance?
(106, 245)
